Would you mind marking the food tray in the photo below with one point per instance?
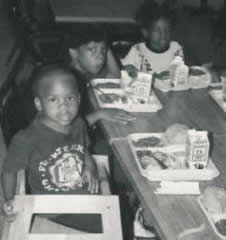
(217, 96)
(153, 104)
(181, 174)
(106, 83)
(212, 218)
(208, 67)
(164, 85)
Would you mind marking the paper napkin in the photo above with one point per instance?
(169, 187)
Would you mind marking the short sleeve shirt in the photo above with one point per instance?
(146, 60)
(53, 160)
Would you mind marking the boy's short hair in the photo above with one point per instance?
(150, 11)
(85, 34)
(47, 70)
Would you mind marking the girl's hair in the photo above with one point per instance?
(150, 11)
(48, 70)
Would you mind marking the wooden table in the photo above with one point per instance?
(173, 214)
(113, 11)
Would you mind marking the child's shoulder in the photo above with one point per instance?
(174, 45)
(138, 46)
(26, 135)
(79, 124)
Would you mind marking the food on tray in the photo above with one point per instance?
(195, 71)
(108, 85)
(147, 160)
(159, 160)
(163, 75)
(176, 134)
(113, 98)
(221, 226)
(199, 77)
(214, 200)
(151, 141)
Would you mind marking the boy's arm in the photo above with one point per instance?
(16, 159)
(9, 180)
(111, 114)
(90, 174)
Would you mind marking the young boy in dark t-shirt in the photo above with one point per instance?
(91, 57)
(54, 148)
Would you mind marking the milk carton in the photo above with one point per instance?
(178, 72)
(142, 87)
(197, 149)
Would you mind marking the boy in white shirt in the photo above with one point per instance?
(157, 51)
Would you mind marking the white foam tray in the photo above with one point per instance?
(192, 83)
(185, 174)
(153, 104)
(97, 81)
(212, 218)
(217, 96)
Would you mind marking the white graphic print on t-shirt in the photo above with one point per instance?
(62, 170)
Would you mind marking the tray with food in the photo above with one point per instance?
(213, 204)
(198, 78)
(118, 98)
(167, 155)
(163, 82)
(168, 164)
(217, 95)
(106, 83)
(214, 73)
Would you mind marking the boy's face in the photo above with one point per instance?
(92, 57)
(159, 35)
(58, 100)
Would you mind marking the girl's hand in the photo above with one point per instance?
(131, 70)
(91, 177)
(116, 115)
(8, 211)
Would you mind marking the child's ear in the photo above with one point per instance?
(144, 33)
(73, 52)
(38, 104)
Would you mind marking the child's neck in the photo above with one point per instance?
(56, 127)
(155, 50)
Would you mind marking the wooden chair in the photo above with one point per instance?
(107, 205)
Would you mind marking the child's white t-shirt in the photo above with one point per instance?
(146, 60)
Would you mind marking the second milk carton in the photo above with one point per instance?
(178, 72)
(197, 153)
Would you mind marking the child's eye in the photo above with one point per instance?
(71, 98)
(93, 50)
(52, 100)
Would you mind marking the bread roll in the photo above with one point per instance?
(176, 134)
